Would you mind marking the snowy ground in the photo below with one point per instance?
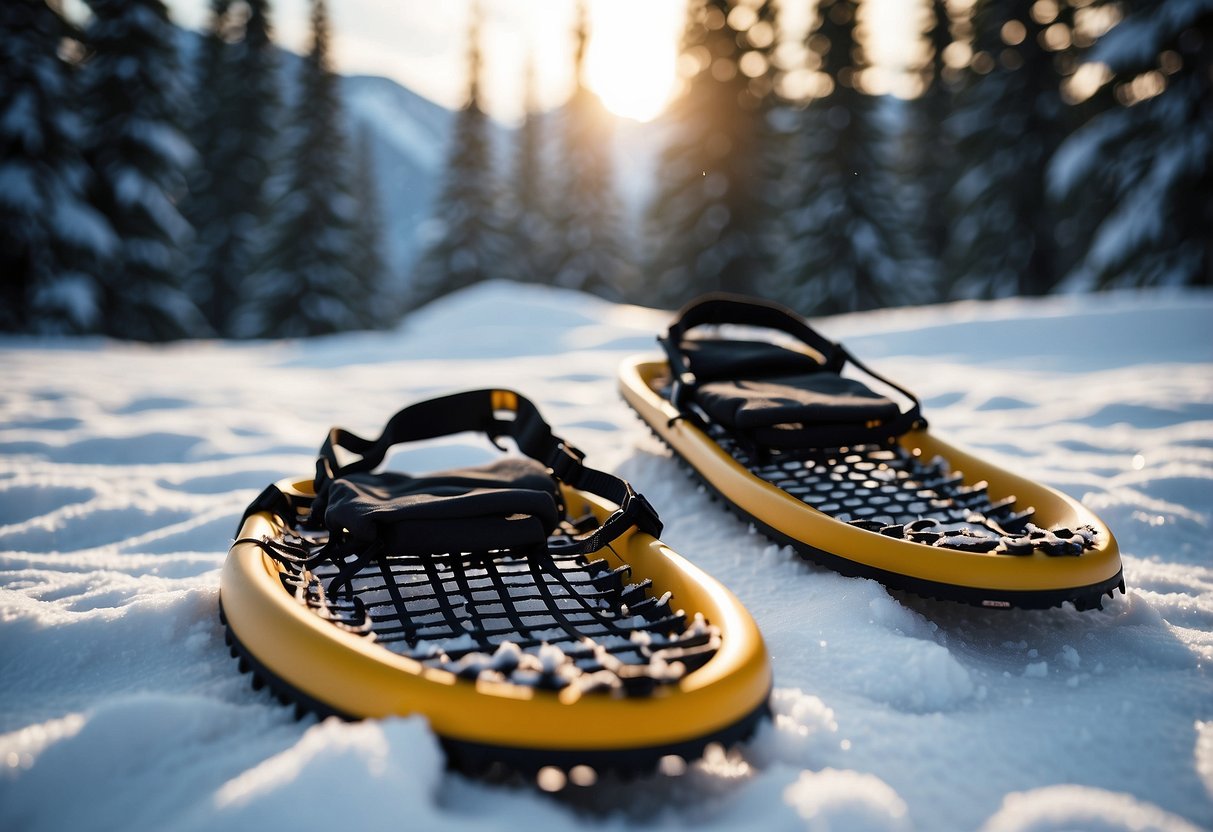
(123, 470)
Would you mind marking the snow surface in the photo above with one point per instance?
(123, 470)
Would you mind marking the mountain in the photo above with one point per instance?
(408, 144)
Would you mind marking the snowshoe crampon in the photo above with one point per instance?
(852, 478)
(526, 608)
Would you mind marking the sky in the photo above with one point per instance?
(633, 48)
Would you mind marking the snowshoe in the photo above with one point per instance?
(852, 478)
(526, 608)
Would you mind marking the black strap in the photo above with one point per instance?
(723, 308)
(273, 500)
(497, 413)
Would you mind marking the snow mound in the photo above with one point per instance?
(399, 756)
(1066, 808)
(847, 801)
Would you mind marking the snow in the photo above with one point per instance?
(1074, 159)
(20, 119)
(81, 224)
(847, 801)
(1132, 44)
(162, 139)
(19, 188)
(123, 470)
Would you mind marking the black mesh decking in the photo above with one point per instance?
(886, 489)
(544, 619)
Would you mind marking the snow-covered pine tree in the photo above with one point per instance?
(932, 149)
(131, 100)
(235, 121)
(368, 259)
(308, 284)
(588, 253)
(1010, 119)
(846, 240)
(467, 241)
(713, 210)
(1151, 151)
(51, 238)
(202, 206)
(525, 212)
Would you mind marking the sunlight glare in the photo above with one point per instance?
(632, 57)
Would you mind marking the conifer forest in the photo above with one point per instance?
(154, 192)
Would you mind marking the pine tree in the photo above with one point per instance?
(468, 244)
(1010, 121)
(1077, 217)
(51, 239)
(525, 213)
(236, 105)
(932, 144)
(368, 260)
(131, 101)
(1150, 151)
(588, 253)
(847, 247)
(308, 285)
(713, 209)
(203, 206)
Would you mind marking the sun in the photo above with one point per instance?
(632, 58)
(637, 89)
